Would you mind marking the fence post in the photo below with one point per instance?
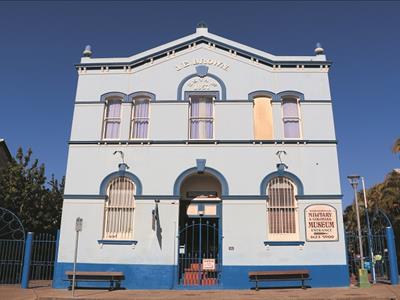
(394, 273)
(56, 259)
(27, 261)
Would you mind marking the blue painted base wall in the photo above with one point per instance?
(233, 277)
(236, 277)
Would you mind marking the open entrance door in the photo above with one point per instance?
(199, 261)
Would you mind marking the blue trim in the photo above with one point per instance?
(141, 93)
(184, 80)
(296, 180)
(105, 96)
(284, 243)
(259, 93)
(179, 142)
(84, 196)
(225, 197)
(140, 276)
(226, 101)
(319, 197)
(184, 174)
(27, 261)
(108, 178)
(117, 242)
(283, 94)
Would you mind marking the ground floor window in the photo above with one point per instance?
(119, 209)
(282, 210)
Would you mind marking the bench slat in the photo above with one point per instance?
(283, 273)
(98, 274)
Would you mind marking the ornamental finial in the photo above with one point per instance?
(88, 51)
(318, 49)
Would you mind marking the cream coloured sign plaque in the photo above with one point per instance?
(321, 223)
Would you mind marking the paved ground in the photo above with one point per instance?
(46, 293)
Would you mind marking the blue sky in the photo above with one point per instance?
(41, 42)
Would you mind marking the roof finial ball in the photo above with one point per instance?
(88, 51)
(318, 49)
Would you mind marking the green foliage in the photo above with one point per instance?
(384, 196)
(24, 191)
(396, 146)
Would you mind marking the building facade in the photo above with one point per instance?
(200, 160)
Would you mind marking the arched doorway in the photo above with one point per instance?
(199, 254)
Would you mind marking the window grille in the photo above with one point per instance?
(201, 118)
(119, 209)
(291, 118)
(140, 118)
(282, 209)
(112, 119)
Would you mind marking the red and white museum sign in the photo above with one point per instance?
(321, 223)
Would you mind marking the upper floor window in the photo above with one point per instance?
(112, 119)
(140, 118)
(262, 117)
(291, 118)
(282, 210)
(119, 209)
(201, 117)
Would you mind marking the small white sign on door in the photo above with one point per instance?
(209, 264)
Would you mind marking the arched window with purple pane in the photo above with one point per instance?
(112, 118)
(140, 118)
(291, 117)
(201, 119)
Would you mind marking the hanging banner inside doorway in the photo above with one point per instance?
(321, 223)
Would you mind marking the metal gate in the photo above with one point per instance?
(12, 244)
(199, 261)
(375, 248)
(44, 248)
(380, 256)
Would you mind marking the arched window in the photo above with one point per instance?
(140, 117)
(282, 210)
(119, 209)
(112, 118)
(201, 118)
(291, 117)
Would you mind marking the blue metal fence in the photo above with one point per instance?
(11, 260)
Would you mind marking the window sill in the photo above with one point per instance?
(117, 242)
(284, 243)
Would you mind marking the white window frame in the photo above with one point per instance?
(213, 99)
(273, 236)
(120, 214)
(292, 118)
(107, 119)
(133, 119)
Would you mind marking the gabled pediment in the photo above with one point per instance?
(200, 37)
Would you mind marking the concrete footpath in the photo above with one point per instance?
(379, 291)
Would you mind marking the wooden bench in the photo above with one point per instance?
(290, 275)
(113, 277)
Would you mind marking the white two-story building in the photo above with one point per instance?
(200, 160)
